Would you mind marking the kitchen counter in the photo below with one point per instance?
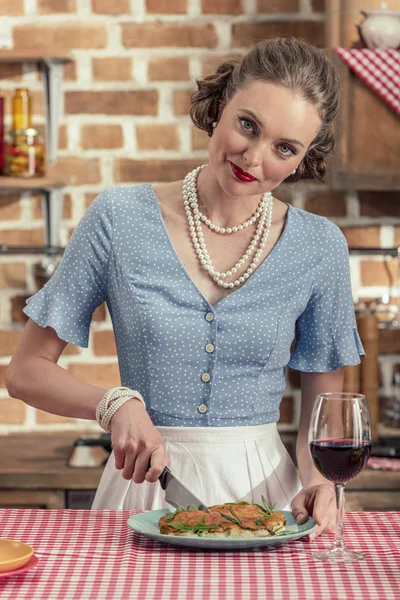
(35, 464)
(93, 554)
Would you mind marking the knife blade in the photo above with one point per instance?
(177, 494)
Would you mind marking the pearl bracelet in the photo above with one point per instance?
(112, 400)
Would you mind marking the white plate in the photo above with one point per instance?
(146, 523)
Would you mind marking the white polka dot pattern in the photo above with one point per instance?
(121, 253)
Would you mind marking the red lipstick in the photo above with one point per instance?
(242, 175)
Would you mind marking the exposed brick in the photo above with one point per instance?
(22, 236)
(104, 343)
(101, 136)
(9, 208)
(362, 236)
(100, 313)
(8, 341)
(389, 341)
(124, 102)
(63, 137)
(3, 369)
(100, 375)
(318, 5)
(112, 68)
(12, 275)
(286, 410)
(174, 68)
(379, 204)
(46, 7)
(12, 411)
(156, 35)
(277, 6)
(79, 170)
(11, 71)
(161, 136)
(116, 7)
(12, 8)
(209, 64)
(89, 197)
(373, 272)
(181, 101)
(328, 203)
(17, 304)
(200, 139)
(70, 73)
(127, 170)
(222, 7)
(59, 37)
(163, 7)
(245, 34)
(397, 236)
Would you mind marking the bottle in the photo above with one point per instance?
(22, 109)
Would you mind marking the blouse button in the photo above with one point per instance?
(210, 348)
(202, 408)
(206, 377)
(209, 316)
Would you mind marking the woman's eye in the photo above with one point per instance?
(246, 124)
(286, 150)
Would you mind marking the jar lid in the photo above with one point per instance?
(30, 131)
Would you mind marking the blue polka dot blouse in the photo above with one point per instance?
(195, 364)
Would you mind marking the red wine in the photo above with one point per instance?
(340, 460)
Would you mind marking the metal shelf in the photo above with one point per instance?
(46, 249)
(375, 251)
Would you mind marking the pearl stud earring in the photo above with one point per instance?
(214, 124)
(294, 171)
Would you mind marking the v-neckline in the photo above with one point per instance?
(266, 260)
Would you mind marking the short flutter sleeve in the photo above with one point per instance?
(326, 332)
(79, 285)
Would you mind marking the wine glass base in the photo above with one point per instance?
(338, 555)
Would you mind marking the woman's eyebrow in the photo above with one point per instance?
(250, 112)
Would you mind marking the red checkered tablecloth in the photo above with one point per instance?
(93, 555)
(379, 69)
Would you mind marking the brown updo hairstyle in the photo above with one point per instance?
(290, 62)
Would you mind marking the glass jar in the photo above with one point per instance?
(24, 154)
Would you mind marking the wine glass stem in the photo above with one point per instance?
(338, 543)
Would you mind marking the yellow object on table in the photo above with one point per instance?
(13, 554)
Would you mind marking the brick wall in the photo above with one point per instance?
(124, 120)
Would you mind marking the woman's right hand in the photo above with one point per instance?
(136, 443)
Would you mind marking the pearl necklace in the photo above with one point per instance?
(263, 213)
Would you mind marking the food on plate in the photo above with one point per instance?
(232, 519)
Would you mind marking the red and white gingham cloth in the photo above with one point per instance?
(93, 555)
(385, 464)
(380, 69)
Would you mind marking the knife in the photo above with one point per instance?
(177, 494)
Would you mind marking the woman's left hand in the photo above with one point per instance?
(318, 502)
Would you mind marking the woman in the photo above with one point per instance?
(208, 281)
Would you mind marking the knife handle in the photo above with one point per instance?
(163, 477)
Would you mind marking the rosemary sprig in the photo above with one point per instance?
(234, 515)
(197, 528)
(266, 510)
(170, 516)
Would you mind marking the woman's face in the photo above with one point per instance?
(263, 133)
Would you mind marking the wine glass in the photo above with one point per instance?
(340, 445)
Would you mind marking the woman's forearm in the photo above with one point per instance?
(43, 384)
(313, 384)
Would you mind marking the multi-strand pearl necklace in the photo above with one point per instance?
(195, 218)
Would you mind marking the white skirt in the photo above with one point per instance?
(218, 464)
